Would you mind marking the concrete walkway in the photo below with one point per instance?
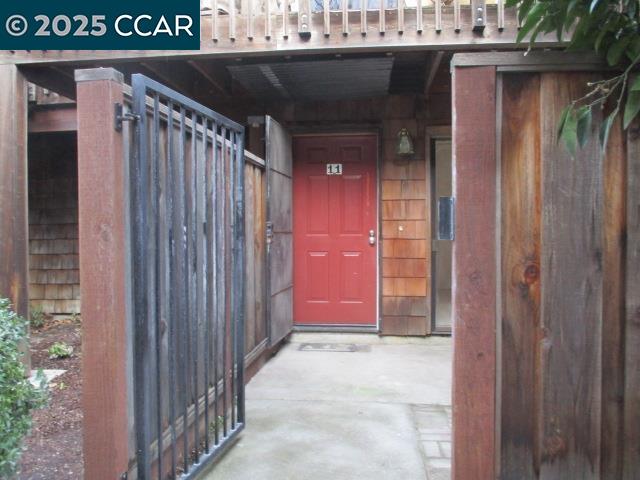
(340, 406)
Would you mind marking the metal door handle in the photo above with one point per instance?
(372, 237)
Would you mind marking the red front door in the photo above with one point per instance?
(334, 218)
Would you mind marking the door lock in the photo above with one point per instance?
(372, 237)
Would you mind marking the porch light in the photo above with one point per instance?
(404, 147)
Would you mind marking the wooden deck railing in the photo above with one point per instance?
(253, 19)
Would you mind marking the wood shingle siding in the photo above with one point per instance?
(54, 275)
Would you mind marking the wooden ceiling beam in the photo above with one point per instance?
(218, 77)
(432, 70)
(52, 79)
(187, 80)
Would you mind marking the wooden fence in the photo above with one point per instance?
(547, 283)
(111, 338)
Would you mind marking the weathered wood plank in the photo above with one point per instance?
(520, 274)
(474, 271)
(613, 307)
(572, 277)
(250, 261)
(103, 260)
(53, 120)
(632, 320)
(13, 192)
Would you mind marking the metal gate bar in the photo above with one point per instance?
(187, 197)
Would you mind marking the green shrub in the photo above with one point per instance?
(60, 350)
(37, 317)
(17, 395)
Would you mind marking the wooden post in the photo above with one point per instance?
(474, 273)
(102, 192)
(14, 226)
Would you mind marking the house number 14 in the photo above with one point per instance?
(334, 169)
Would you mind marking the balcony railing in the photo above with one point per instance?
(267, 19)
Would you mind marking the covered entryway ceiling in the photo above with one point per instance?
(316, 80)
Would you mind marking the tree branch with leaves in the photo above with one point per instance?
(610, 28)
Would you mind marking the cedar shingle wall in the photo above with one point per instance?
(405, 252)
(406, 269)
(54, 283)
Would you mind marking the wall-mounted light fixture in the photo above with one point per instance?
(404, 145)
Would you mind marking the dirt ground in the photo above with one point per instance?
(53, 449)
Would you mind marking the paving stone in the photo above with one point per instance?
(431, 449)
(445, 448)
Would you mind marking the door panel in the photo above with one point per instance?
(279, 236)
(335, 267)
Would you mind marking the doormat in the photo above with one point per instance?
(333, 347)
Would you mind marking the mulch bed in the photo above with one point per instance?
(53, 449)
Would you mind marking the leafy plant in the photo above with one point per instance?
(610, 28)
(18, 397)
(60, 350)
(37, 317)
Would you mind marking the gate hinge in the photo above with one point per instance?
(122, 116)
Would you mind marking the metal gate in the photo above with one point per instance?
(187, 227)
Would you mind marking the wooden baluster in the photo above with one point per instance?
(285, 18)
(456, 15)
(232, 20)
(500, 15)
(400, 16)
(363, 17)
(214, 20)
(327, 18)
(438, 7)
(479, 15)
(304, 18)
(419, 20)
(250, 19)
(381, 18)
(267, 19)
(345, 17)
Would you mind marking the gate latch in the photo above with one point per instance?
(122, 116)
(446, 218)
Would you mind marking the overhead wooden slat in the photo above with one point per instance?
(268, 19)
(400, 16)
(285, 19)
(456, 15)
(326, 19)
(214, 20)
(363, 17)
(345, 17)
(438, 15)
(419, 17)
(232, 20)
(382, 26)
(500, 9)
(250, 19)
